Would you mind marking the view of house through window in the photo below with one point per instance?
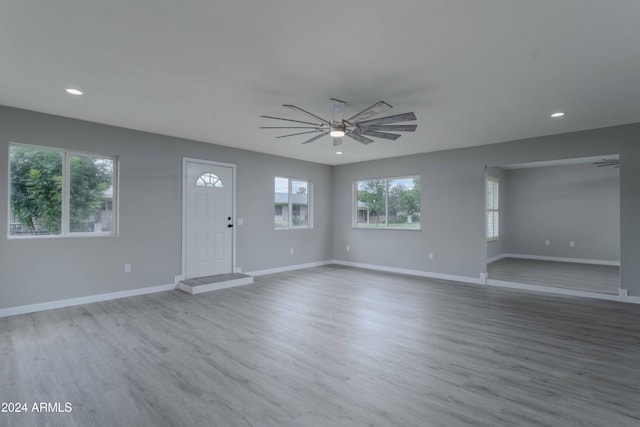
(388, 203)
(292, 203)
(53, 192)
(90, 194)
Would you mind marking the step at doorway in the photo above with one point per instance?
(212, 283)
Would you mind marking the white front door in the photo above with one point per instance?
(208, 219)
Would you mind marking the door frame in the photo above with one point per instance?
(622, 294)
(183, 224)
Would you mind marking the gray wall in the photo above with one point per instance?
(49, 269)
(40, 270)
(453, 202)
(498, 247)
(579, 203)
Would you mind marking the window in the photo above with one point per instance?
(388, 203)
(59, 193)
(292, 203)
(208, 180)
(493, 208)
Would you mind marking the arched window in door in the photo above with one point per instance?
(208, 179)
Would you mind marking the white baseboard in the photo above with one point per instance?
(552, 290)
(496, 258)
(32, 308)
(288, 268)
(557, 259)
(632, 300)
(465, 279)
(623, 295)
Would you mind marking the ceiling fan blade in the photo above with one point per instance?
(395, 128)
(392, 136)
(405, 117)
(290, 120)
(377, 108)
(608, 162)
(337, 141)
(359, 138)
(300, 110)
(316, 137)
(337, 110)
(299, 133)
(289, 127)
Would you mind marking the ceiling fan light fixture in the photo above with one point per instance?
(337, 132)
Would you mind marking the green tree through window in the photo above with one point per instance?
(388, 203)
(36, 188)
(89, 180)
(38, 197)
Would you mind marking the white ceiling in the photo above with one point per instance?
(474, 72)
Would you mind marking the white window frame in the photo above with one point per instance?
(290, 226)
(354, 219)
(66, 193)
(494, 182)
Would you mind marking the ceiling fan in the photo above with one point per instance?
(359, 127)
(608, 162)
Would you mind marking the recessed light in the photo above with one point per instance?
(338, 152)
(557, 115)
(72, 91)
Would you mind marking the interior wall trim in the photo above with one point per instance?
(557, 259)
(465, 279)
(562, 291)
(289, 268)
(32, 308)
(496, 258)
(629, 299)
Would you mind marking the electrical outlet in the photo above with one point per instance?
(291, 251)
(348, 248)
(430, 256)
(127, 268)
(547, 242)
(572, 244)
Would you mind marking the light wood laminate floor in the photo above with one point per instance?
(328, 346)
(583, 277)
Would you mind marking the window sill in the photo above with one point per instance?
(387, 228)
(67, 236)
(293, 228)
